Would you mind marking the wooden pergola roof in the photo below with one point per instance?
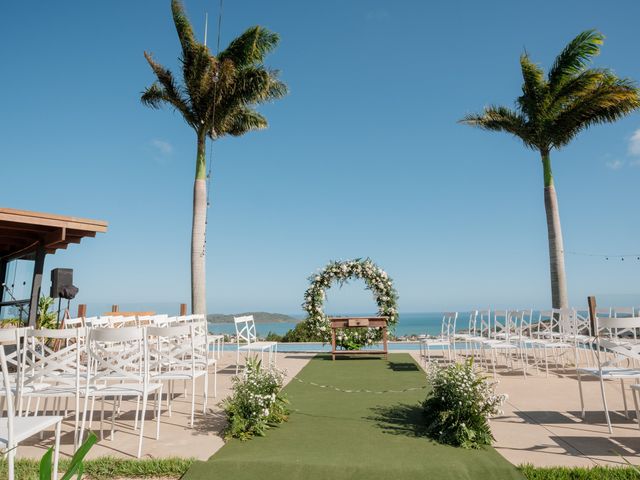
(23, 232)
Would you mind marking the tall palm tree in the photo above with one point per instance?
(551, 111)
(217, 97)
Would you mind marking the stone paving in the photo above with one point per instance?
(541, 424)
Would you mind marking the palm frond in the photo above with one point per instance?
(257, 85)
(153, 96)
(534, 88)
(245, 120)
(183, 27)
(502, 119)
(611, 100)
(166, 91)
(251, 47)
(575, 56)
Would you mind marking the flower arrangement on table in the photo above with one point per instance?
(340, 272)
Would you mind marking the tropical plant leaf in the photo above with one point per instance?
(575, 56)
(75, 466)
(45, 465)
(251, 47)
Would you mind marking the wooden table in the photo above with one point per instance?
(359, 322)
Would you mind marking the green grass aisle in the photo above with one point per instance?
(341, 435)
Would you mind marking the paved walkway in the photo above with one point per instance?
(541, 424)
(177, 439)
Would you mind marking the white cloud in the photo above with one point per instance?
(163, 147)
(634, 144)
(615, 164)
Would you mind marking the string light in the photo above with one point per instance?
(604, 255)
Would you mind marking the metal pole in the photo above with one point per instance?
(36, 284)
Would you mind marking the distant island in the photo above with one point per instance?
(259, 317)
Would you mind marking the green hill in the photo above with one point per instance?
(259, 317)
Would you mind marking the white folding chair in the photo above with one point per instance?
(506, 325)
(180, 319)
(52, 369)
(214, 341)
(445, 339)
(470, 334)
(15, 428)
(161, 320)
(610, 355)
(14, 339)
(77, 322)
(548, 338)
(96, 322)
(247, 341)
(124, 321)
(119, 367)
(180, 353)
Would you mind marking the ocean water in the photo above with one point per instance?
(409, 324)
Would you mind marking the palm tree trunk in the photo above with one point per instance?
(198, 232)
(559, 297)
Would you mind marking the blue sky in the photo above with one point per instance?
(363, 158)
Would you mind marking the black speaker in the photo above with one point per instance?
(61, 279)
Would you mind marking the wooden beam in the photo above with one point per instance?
(23, 227)
(51, 220)
(57, 236)
(15, 242)
(71, 232)
(21, 252)
(19, 234)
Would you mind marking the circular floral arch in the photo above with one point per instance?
(341, 272)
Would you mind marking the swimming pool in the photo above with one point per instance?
(319, 347)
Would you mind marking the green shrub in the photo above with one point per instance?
(273, 337)
(459, 405)
(302, 332)
(256, 402)
(45, 318)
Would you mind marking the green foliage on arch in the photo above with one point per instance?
(340, 272)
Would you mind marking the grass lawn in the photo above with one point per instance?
(107, 468)
(338, 435)
(110, 468)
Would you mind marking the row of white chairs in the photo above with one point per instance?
(246, 335)
(216, 342)
(608, 345)
(96, 363)
(515, 334)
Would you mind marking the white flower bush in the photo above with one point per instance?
(459, 406)
(375, 279)
(256, 402)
